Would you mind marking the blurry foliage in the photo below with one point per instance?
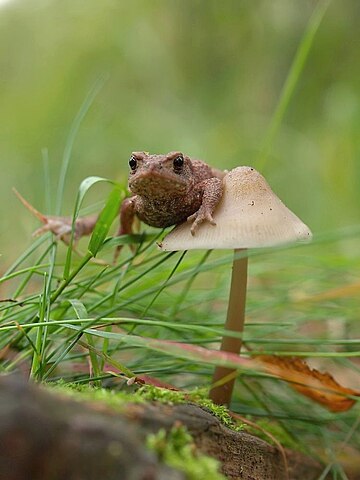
(201, 76)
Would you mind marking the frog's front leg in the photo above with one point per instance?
(211, 190)
(127, 215)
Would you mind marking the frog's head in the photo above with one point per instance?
(160, 175)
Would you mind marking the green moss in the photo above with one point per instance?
(222, 413)
(116, 399)
(176, 448)
(163, 395)
(197, 396)
(112, 398)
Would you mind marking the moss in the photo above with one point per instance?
(197, 396)
(176, 448)
(222, 413)
(163, 395)
(112, 398)
(116, 399)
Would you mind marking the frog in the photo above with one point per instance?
(169, 189)
(166, 189)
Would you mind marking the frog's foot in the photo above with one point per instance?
(59, 226)
(199, 217)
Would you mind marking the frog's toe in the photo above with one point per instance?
(198, 218)
(192, 217)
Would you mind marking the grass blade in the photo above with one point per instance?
(71, 138)
(292, 79)
(85, 185)
(80, 311)
(106, 217)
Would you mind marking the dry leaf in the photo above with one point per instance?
(320, 387)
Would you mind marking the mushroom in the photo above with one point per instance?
(249, 215)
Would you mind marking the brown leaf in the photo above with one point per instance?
(320, 387)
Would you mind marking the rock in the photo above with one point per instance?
(243, 456)
(48, 436)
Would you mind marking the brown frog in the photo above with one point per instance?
(167, 190)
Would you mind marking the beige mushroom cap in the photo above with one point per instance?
(249, 215)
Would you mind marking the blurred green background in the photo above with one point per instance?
(201, 76)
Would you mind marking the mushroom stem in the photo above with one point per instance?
(221, 393)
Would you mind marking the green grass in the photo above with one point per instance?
(86, 322)
(103, 320)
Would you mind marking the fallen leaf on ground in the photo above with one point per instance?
(320, 387)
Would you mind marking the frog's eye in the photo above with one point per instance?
(133, 163)
(178, 162)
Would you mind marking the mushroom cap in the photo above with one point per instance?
(249, 215)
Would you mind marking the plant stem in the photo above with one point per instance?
(222, 391)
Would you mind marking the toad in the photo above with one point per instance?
(169, 189)
(166, 190)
